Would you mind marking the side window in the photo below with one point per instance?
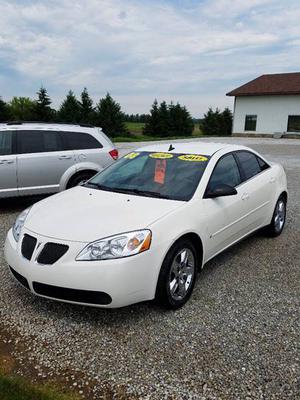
(6, 143)
(226, 172)
(249, 164)
(80, 141)
(38, 141)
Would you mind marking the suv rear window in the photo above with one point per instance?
(38, 141)
(80, 141)
(6, 143)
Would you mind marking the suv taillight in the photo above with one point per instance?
(114, 153)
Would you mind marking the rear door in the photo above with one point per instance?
(41, 161)
(258, 187)
(8, 165)
(86, 148)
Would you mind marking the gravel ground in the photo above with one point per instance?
(237, 338)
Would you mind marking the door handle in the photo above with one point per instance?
(64, 157)
(6, 161)
(272, 180)
(245, 196)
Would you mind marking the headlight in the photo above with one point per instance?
(118, 246)
(18, 225)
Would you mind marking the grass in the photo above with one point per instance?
(136, 134)
(16, 388)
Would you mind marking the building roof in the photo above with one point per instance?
(271, 84)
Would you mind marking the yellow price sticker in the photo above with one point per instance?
(131, 156)
(192, 157)
(161, 156)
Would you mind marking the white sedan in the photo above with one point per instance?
(142, 228)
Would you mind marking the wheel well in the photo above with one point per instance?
(84, 171)
(197, 242)
(285, 196)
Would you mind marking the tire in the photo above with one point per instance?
(182, 257)
(78, 179)
(278, 219)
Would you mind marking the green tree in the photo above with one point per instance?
(152, 126)
(110, 117)
(216, 122)
(86, 108)
(22, 109)
(43, 110)
(171, 120)
(227, 121)
(4, 111)
(70, 110)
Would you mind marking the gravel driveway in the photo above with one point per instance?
(237, 338)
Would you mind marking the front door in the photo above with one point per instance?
(226, 214)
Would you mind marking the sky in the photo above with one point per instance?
(186, 51)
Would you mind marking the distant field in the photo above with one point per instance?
(136, 131)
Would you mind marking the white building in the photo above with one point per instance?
(268, 105)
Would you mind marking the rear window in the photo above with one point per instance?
(6, 143)
(38, 141)
(79, 141)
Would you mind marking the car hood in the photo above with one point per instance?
(85, 215)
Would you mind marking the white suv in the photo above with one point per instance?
(40, 158)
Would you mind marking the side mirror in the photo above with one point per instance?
(220, 191)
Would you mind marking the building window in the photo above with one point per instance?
(293, 123)
(250, 122)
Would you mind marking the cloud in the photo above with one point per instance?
(191, 51)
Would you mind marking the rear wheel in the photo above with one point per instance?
(80, 178)
(177, 276)
(278, 220)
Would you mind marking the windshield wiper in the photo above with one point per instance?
(147, 193)
(99, 186)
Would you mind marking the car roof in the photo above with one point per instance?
(199, 147)
(8, 126)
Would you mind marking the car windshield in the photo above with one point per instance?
(163, 175)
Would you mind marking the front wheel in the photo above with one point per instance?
(278, 220)
(177, 276)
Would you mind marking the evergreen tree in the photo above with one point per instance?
(43, 110)
(86, 108)
(152, 126)
(4, 111)
(163, 117)
(227, 121)
(70, 110)
(216, 122)
(22, 109)
(110, 117)
(171, 120)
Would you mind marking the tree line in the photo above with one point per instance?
(163, 120)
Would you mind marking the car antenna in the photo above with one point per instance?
(171, 147)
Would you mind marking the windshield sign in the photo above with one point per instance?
(172, 176)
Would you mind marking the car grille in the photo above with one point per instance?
(78, 296)
(28, 245)
(51, 253)
(23, 281)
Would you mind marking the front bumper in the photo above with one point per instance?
(107, 283)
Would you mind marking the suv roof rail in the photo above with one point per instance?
(43, 122)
